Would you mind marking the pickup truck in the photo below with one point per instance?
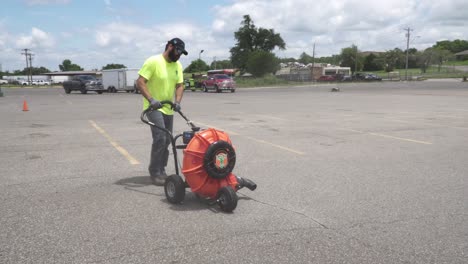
(83, 83)
(219, 82)
(40, 82)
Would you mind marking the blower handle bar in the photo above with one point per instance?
(144, 117)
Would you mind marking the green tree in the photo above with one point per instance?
(250, 39)
(262, 62)
(67, 65)
(221, 64)
(372, 63)
(305, 58)
(350, 58)
(393, 59)
(441, 56)
(197, 65)
(113, 66)
(452, 46)
(40, 70)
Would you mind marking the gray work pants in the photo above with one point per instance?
(161, 141)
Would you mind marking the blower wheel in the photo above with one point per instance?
(227, 199)
(174, 187)
(219, 159)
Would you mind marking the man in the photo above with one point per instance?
(161, 77)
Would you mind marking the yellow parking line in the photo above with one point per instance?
(388, 136)
(122, 151)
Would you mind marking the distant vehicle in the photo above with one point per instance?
(40, 82)
(83, 83)
(23, 82)
(3, 81)
(195, 82)
(372, 77)
(346, 78)
(115, 80)
(366, 77)
(326, 78)
(219, 82)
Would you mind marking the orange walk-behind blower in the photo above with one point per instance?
(209, 159)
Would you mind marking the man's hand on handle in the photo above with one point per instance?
(155, 104)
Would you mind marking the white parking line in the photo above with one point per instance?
(122, 151)
(257, 140)
(388, 136)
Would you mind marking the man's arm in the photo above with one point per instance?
(179, 92)
(141, 85)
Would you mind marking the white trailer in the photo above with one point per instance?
(115, 80)
(59, 78)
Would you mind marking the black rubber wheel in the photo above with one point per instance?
(99, 92)
(217, 89)
(227, 199)
(67, 91)
(233, 90)
(174, 187)
(219, 159)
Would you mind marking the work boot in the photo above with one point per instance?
(163, 173)
(159, 177)
(158, 180)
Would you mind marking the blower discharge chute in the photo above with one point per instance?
(208, 162)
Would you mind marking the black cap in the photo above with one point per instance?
(179, 44)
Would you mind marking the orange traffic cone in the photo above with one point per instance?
(25, 106)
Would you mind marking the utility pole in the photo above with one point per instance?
(355, 61)
(30, 67)
(313, 62)
(26, 54)
(407, 51)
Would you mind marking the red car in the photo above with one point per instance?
(326, 78)
(218, 83)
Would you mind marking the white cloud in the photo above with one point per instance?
(333, 25)
(37, 39)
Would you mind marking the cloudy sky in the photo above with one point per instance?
(95, 33)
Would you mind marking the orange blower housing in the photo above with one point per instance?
(208, 162)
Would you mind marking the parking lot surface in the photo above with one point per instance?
(375, 173)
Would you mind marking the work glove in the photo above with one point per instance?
(177, 107)
(155, 104)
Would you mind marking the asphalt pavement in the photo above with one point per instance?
(374, 173)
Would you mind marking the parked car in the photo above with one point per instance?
(83, 83)
(366, 77)
(3, 81)
(219, 82)
(326, 78)
(346, 78)
(372, 77)
(23, 82)
(40, 82)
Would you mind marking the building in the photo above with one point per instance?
(59, 77)
(462, 55)
(309, 72)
